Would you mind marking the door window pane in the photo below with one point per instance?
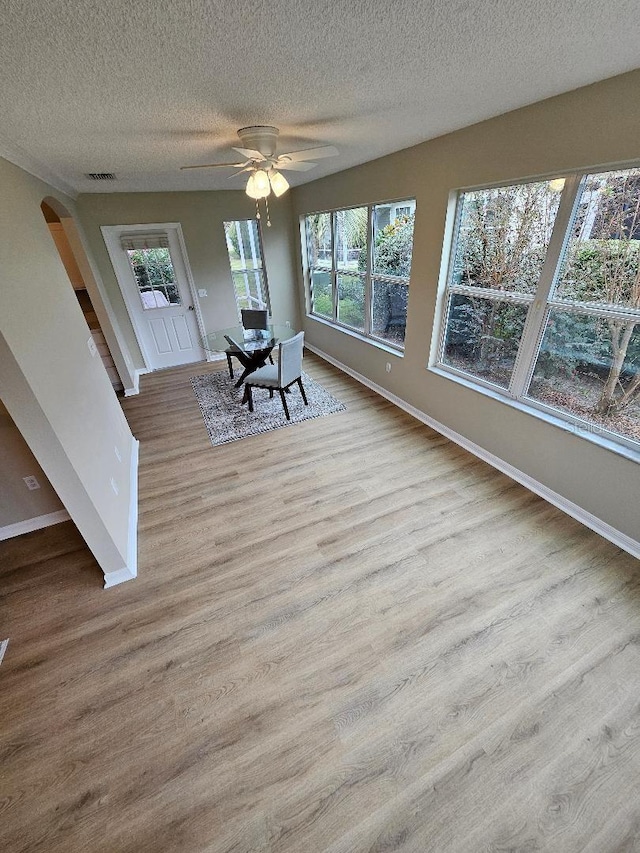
(351, 300)
(589, 366)
(155, 277)
(601, 262)
(503, 235)
(483, 336)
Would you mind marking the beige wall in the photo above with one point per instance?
(201, 215)
(66, 254)
(592, 126)
(17, 503)
(59, 395)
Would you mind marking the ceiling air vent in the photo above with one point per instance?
(100, 176)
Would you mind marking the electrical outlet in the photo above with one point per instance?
(31, 483)
(387, 367)
(93, 349)
(202, 293)
(288, 324)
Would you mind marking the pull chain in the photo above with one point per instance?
(266, 206)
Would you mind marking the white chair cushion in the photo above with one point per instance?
(267, 376)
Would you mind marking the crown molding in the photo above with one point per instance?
(19, 157)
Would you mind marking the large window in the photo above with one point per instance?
(358, 268)
(543, 297)
(247, 264)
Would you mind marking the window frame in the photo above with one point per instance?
(261, 271)
(540, 303)
(368, 275)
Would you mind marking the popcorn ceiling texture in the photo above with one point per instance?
(141, 87)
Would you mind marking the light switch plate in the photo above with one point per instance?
(93, 349)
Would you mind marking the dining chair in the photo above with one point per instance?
(252, 318)
(279, 377)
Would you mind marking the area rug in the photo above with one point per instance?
(226, 419)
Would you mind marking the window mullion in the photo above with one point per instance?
(537, 313)
(368, 288)
(492, 295)
(334, 267)
(606, 311)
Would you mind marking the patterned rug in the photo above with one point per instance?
(226, 419)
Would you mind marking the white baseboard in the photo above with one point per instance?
(31, 524)
(130, 571)
(135, 389)
(115, 578)
(621, 540)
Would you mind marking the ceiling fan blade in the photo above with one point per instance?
(214, 165)
(295, 167)
(251, 153)
(311, 153)
(239, 172)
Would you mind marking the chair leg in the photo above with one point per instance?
(230, 366)
(271, 393)
(249, 393)
(271, 358)
(283, 397)
(304, 396)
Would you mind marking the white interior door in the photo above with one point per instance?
(152, 272)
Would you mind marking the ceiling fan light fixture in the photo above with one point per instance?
(253, 190)
(261, 183)
(279, 184)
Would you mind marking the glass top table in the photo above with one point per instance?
(252, 347)
(249, 340)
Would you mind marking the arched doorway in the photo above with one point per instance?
(62, 230)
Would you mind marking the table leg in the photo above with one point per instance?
(252, 364)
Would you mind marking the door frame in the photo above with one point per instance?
(121, 267)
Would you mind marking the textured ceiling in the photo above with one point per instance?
(141, 87)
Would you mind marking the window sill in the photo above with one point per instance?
(582, 429)
(376, 342)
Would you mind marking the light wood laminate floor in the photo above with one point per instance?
(347, 635)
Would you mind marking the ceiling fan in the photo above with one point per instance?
(264, 165)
